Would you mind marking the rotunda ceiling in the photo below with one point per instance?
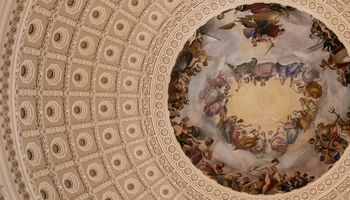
(257, 98)
(85, 97)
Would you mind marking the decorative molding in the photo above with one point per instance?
(151, 64)
(27, 71)
(35, 30)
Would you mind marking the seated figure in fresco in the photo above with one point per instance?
(215, 93)
(254, 29)
(187, 135)
(277, 142)
(344, 76)
(344, 123)
(260, 144)
(286, 71)
(338, 147)
(191, 56)
(292, 129)
(244, 68)
(243, 183)
(197, 36)
(319, 31)
(271, 175)
(328, 132)
(263, 72)
(329, 156)
(308, 75)
(216, 96)
(264, 12)
(237, 131)
(212, 171)
(316, 32)
(200, 149)
(260, 31)
(178, 97)
(305, 180)
(225, 127)
(199, 56)
(174, 109)
(183, 61)
(338, 59)
(308, 115)
(343, 131)
(218, 107)
(326, 32)
(180, 127)
(219, 81)
(178, 82)
(319, 141)
(255, 187)
(175, 96)
(331, 42)
(270, 34)
(231, 129)
(229, 179)
(339, 130)
(183, 138)
(310, 78)
(313, 90)
(286, 186)
(297, 181)
(246, 142)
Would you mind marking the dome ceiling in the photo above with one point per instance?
(84, 100)
(258, 99)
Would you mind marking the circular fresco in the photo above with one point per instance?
(258, 99)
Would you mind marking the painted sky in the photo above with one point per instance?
(235, 49)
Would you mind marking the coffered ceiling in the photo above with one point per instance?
(84, 99)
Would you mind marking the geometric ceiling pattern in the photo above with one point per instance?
(84, 100)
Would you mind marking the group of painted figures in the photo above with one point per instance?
(201, 150)
(190, 61)
(303, 79)
(217, 94)
(257, 141)
(263, 26)
(270, 182)
(339, 60)
(331, 139)
(261, 21)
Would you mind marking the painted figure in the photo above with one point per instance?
(271, 174)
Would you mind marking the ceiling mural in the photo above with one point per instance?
(261, 91)
(174, 99)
